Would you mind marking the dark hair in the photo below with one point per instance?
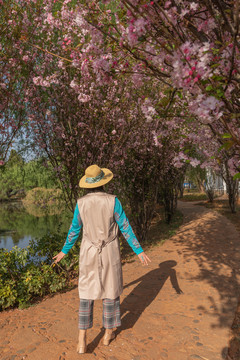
(96, 189)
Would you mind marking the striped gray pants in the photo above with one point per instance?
(110, 315)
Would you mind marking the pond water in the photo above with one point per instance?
(19, 224)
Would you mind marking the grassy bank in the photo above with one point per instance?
(43, 197)
(198, 196)
(222, 206)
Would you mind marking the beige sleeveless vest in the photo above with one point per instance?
(100, 270)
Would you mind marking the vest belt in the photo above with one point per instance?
(99, 248)
(102, 245)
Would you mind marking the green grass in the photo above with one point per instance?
(194, 197)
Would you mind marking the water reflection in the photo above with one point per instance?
(7, 242)
(19, 224)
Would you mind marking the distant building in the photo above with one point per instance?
(215, 181)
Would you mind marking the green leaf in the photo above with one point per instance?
(226, 136)
(236, 176)
(164, 101)
(215, 51)
(235, 115)
(180, 95)
(220, 93)
(141, 38)
(113, 18)
(217, 77)
(209, 88)
(227, 145)
(213, 66)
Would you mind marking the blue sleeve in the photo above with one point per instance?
(126, 228)
(73, 232)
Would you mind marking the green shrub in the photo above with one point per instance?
(27, 274)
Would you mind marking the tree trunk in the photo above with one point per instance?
(142, 214)
(199, 184)
(210, 186)
(180, 189)
(170, 203)
(232, 189)
(210, 194)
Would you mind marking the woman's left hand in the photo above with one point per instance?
(144, 258)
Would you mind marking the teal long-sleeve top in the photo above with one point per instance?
(120, 218)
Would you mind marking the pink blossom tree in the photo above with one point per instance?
(132, 82)
(188, 46)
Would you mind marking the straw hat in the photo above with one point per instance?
(95, 177)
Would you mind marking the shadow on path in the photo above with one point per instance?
(134, 304)
(209, 248)
(146, 291)
(213, 243)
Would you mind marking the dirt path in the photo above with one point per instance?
(180, 307)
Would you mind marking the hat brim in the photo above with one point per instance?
(108, 175)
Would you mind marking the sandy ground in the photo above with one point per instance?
(180, 307)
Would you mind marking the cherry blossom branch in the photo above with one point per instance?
(50, 53)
